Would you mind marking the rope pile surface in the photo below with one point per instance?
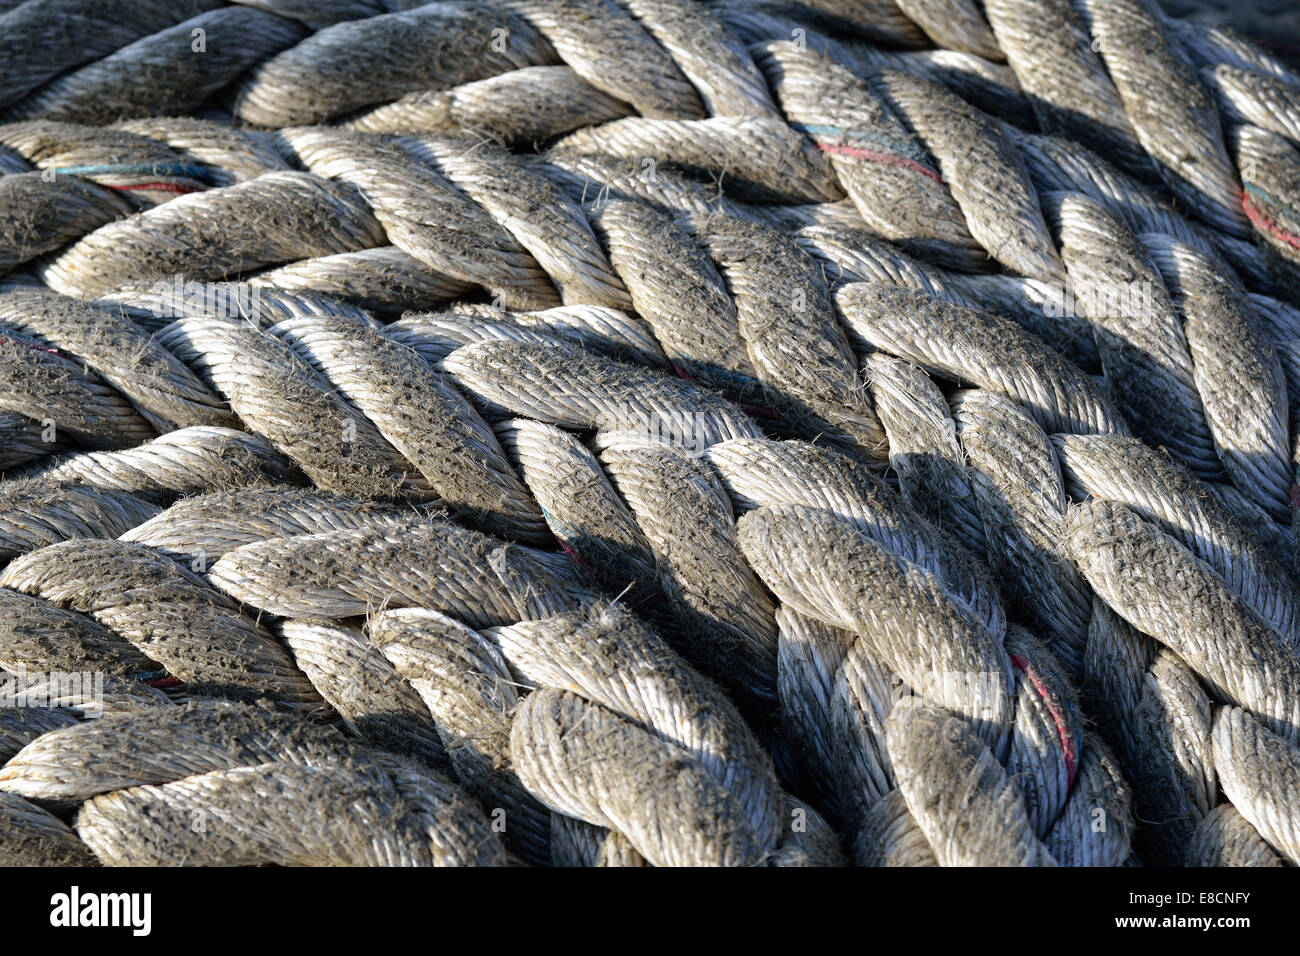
(647, 432)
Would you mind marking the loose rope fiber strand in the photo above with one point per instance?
(645, 432)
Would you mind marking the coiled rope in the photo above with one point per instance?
(626, 432)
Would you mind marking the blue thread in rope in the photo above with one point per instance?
(139, 169)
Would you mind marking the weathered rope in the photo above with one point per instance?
(1259, 772)
(35, 513)
(240, 794)
(880, 164)
(1128, 472)
(162, 389)
(469, 692)
(589, 519)
(923, 447)
(422, 414)
(203, 458)
(1141, 342)
(364, 688)
(762, 473)
(800, 353)
(35, 837)
(1021, 499)
(712, 793)
(197, 634)
(524, 106)
(987, 179)
(1223, 333)
(488, 380)
(171, 239)
(1226, 838)
(1048, 47)
(1199, 619)
(1161, 93)
(584, 392)
(201, 528)
(159, 73)
(685, 515)
(954, 644)
(274, 390)
(417, 562)
(430, 46)
(981, 349)
(948, 774)
(40, 383)
(42, 40)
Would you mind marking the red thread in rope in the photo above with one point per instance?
(875, 157)
(758, 411)
(30, 345)
(1068, 743)
(1266, 222)
(573, 555)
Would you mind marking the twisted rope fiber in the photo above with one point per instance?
(647, 432)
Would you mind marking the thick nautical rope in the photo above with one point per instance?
(218, 783)
(702, 228)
